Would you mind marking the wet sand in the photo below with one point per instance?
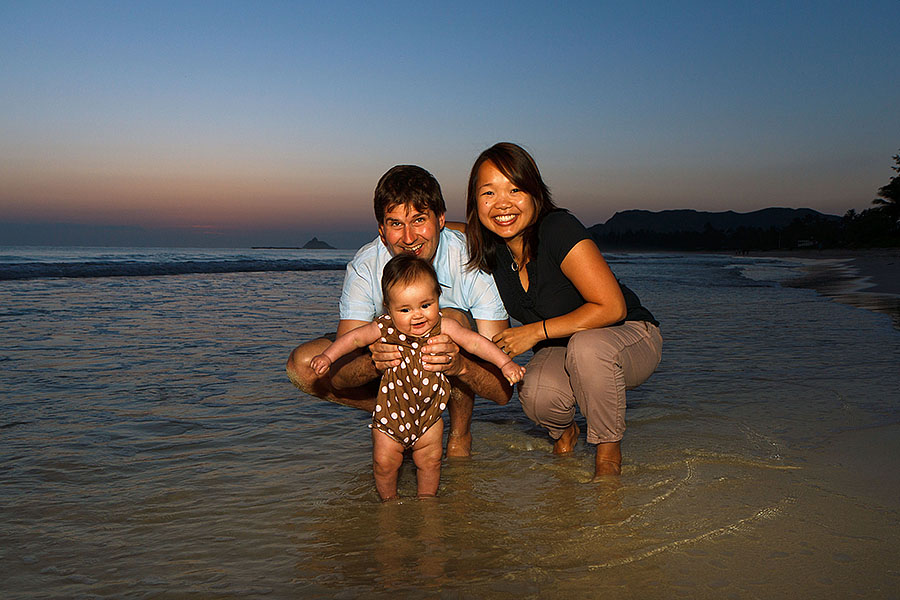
(166, 455)
(867, 278)
(858, 465)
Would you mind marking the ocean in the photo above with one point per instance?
(152, 446)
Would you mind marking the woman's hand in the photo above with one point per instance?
(516, 340)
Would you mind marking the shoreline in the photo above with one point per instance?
(865, 278)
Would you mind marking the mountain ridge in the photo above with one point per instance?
(690, 220)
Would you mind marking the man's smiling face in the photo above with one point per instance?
(408, 230)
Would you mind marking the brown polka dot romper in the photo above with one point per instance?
(410, 400)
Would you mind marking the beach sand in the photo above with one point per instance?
(872, 270)
(166, 455)
(866, 278)
(859, 464)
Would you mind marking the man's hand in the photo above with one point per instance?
(441, 354)
(385, 356)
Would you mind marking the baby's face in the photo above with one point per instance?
(414, 307)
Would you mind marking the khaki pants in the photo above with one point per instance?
(592, 371)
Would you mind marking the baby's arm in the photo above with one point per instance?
(360, 337)
(477, 344)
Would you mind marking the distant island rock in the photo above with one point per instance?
(317, 244)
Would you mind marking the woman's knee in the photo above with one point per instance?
(527, 398)
(543, 401)
(529, 395)
(593, 345)
(630, 352)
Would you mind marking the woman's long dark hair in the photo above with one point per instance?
(519, 167)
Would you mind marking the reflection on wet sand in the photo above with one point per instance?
(166, 455)
(513, 527)
(884, 303)
(868, 279)
(409, 543)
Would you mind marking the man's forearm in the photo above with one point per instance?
(355, 373)
(484, 379)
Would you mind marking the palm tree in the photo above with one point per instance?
(889, 195)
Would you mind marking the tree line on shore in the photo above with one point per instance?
(876, 227)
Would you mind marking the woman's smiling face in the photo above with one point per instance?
(503, 207)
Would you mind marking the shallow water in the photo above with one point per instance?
(152, 447)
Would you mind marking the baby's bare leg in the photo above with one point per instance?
(427, 455)
(387, 456)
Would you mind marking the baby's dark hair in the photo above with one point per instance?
(405, 269)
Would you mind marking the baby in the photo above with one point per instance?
(410, 400)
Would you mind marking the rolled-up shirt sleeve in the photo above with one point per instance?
(357, 302)
(484, 299)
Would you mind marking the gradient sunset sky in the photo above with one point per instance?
(267, 122)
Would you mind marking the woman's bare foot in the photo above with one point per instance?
(609, 460)
(566, 442)
(459, 446)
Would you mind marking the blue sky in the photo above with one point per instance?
(272, 121)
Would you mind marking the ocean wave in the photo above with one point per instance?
(119, 268)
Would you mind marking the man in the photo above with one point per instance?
(409, 208)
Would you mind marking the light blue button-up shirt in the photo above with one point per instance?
(461, 288)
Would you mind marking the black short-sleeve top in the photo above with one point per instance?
(550, 293)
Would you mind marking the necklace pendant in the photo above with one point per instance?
(514, 266)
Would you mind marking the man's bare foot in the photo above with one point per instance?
(609, 460)
(566, 442)
(459, 446)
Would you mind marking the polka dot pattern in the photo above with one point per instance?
(410, 399)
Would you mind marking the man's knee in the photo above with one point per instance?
(460, 394)
(298, 370)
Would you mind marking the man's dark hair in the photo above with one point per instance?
(408, 184)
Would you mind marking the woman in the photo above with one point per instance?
(591, 337)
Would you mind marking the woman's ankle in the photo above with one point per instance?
(609, 459)
(566, 442)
